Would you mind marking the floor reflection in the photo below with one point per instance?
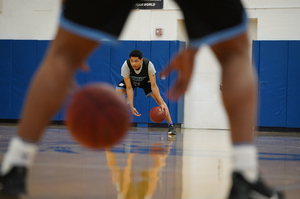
(144, 184)
(149, 164)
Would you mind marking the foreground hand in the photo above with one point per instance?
(184, 63)
(84, 67)
(73, 87)
(135, 112)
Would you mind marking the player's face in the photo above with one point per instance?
(136, 62)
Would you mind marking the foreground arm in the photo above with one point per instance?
(184, 63)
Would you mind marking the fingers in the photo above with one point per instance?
(134, 112)
(73, 87)
(165, 72)
(84, 67)
(184, 63)
(163, 107)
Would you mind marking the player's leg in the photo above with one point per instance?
(52, 82)
(222, 25)
(120, 91)
(168, 116)
(50, 85)
(54, 77)
(172, 129)
(239, 87)
(121, 88)
(239, 97)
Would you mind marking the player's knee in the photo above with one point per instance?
(120, 91)
(70, 50)
(228, 51)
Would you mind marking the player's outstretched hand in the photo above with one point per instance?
(84, 67)
(184, 64)
(135, 112)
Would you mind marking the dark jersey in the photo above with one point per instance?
(138, 80)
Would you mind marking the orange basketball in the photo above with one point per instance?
(97, 116)
(157, 115)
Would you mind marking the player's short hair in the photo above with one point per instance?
(136, 53)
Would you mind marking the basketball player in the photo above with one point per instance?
(219, 23)
(140, 72)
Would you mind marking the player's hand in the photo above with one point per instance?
(135, 112)
(73, 87)
(163, 107)
(84, 67)
(184, 64)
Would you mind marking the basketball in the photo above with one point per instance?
(157, 115)
(97, 116)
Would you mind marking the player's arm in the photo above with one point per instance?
(156, 92)
(129, 91)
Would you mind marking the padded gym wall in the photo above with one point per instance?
(20, 58)
(278, 68)
(5, 78)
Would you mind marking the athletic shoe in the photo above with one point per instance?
(241, 189)
(12, 184)
(172, 130)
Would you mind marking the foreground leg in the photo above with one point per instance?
(239, 97)
(47, 92)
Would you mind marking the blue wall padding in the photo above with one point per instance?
(174, 46)
(176, 108)
(19, 60)
(278, 67)
(5, 78)
(293, 96)
(119, 53)
(23, 65)
(255, 61)
(41, 47)
(141, 102)
(99, 63)
(273, 83)
(145, 47)
(277, 64)
(180, 103)
(256, 54)
(160, 54)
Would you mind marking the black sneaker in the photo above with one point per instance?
(172, 130)
(12, 184)
(241, 189)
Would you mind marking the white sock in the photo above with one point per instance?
(245, 161)
(19, 153)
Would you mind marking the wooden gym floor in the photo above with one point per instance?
(149, 164)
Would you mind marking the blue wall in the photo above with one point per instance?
(278, 67)
(20, 58)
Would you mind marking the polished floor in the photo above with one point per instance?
(148, 164)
